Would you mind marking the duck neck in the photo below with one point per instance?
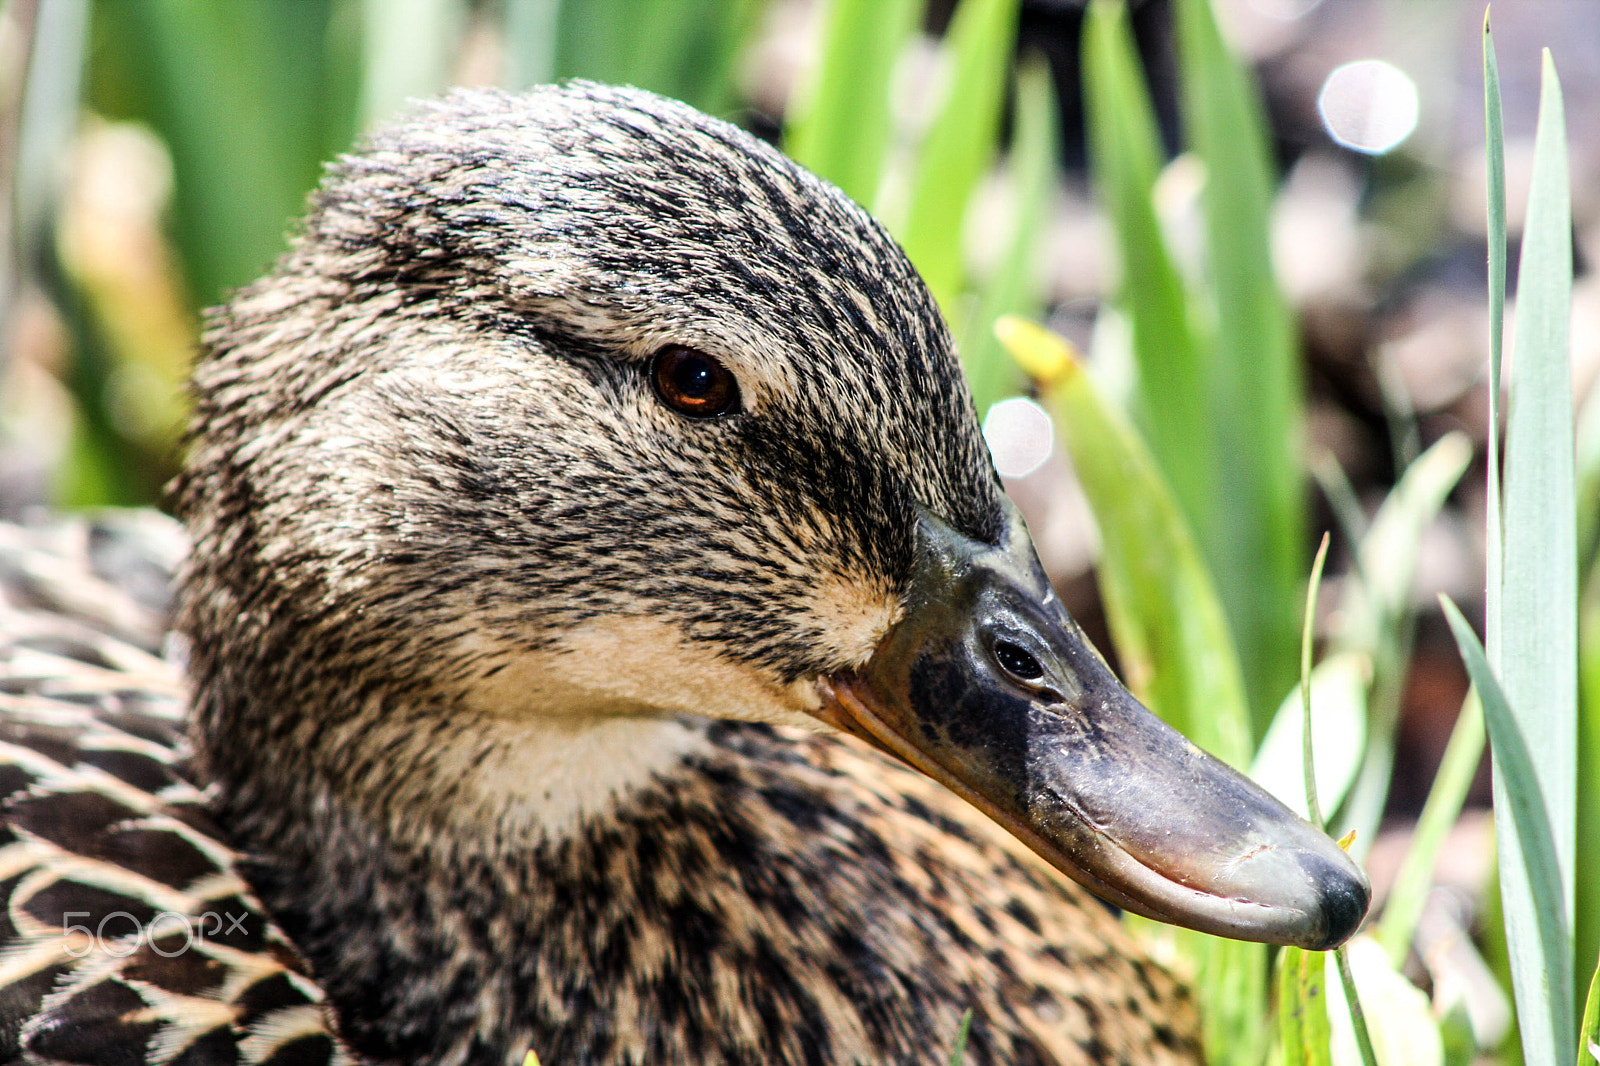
(438, 783)
(399, 870)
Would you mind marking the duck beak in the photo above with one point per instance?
(988, 686)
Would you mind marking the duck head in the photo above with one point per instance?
(580, 408)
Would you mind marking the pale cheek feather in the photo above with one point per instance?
(851, 617)
(625, 667)
(568, 732)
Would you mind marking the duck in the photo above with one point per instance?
(597, 630)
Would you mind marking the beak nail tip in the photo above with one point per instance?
(1345, 898)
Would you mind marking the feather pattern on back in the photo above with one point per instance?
(128, 933)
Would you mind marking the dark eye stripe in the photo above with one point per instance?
(693, 383)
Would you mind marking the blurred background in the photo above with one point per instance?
(156, 152)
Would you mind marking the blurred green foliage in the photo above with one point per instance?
(250, 98)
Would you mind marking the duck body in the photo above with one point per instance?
(580, 457)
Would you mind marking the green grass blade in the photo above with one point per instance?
(1358, 1021)
(1303, 1009)
(1352, 1000)
(839, 123)
(241, 169)
(1495, 167)
(1536, 927)
(1170, 401)
(1165, 616)
(409, 51)
(1256, 549)
(1445, 797)
(1339, 690)
(1014, 288)
(1539, 592)
(1589, 1028)
(960, 144)
(685, 49)
(1377, 614)
(1539, 595)
(958, 1051)
(530, 40)
(1586, 895)
(1308, 760)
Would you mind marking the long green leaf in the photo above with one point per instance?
(960, 144)
(1353, 1004)
(1308, 750)
(1494, 142)
(1170, 403)
(1536, 928)
(1014, 288)
(1256, 548)
(1539, 592)
(839, 124)
(1314, 808)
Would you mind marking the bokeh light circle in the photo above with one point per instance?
(1020, 436)
(1369, 106)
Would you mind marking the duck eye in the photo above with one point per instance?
(1016, 661)
(692, 383)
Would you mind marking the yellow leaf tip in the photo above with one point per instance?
(1046, 357)
(1344, 843)
(532, 1059)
